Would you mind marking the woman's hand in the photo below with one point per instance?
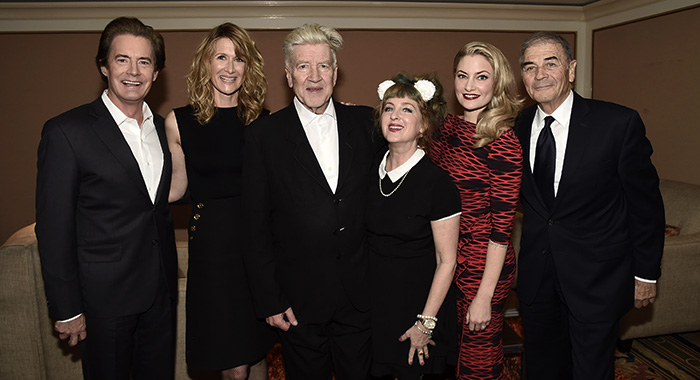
(478, 314)
(419, 344)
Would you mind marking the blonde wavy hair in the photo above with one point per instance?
(200, 89)
(499, 115)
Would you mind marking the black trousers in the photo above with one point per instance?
(560, 347)
(341, 345)
(140, 346)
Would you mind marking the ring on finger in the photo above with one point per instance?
(420, 352)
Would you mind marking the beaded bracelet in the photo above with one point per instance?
(421, 316)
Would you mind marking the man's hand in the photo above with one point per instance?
(644, 293)
(282, 320)
(74, 330)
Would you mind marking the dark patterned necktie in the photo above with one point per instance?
(545, 157)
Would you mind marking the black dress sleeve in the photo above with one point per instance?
(445, 196)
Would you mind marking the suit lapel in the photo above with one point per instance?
(346, 150)
(524, 132)
(578, 140)
(166, 173)
(303, 153)
(108, 132)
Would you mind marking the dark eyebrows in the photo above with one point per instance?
(552, 58)
(149, 59)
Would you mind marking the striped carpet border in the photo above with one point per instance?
(670, 356)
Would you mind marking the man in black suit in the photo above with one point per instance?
(593, 227)
(104, 227)
(305, 175)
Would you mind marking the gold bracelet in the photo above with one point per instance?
(428, 321)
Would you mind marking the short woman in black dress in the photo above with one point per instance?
(226, 88)
(413, 224)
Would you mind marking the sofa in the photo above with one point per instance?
(30, 349)
(677, 305)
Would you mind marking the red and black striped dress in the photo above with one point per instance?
(488, 180)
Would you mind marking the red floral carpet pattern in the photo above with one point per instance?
(275, 367)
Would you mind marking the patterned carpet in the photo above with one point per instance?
(669, 357)
(664, 357)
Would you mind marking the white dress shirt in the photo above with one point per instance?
(143, 141)
(322, 133)
(560, 130)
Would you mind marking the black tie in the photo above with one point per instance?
(545, 157)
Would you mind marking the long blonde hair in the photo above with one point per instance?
(200, 89)
(500, 113)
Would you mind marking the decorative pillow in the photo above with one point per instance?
(672, 230)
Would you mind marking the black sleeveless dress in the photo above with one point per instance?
(222, 331)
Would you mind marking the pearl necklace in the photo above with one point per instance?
(392, 191)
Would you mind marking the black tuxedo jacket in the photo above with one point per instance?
(606, 224)
(306, 244)
(103, 244)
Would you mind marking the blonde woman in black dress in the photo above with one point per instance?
(226, 88)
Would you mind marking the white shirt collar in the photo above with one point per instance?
(306, 116)
(399, 172)
(562, 114)
(119, 116)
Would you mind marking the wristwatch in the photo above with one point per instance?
(427, 321)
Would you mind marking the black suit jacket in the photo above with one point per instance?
(606, 224)
(306, 244)
(103, 244)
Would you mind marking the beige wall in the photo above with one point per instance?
(53, 72)
(653, 66)
(44, 74)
